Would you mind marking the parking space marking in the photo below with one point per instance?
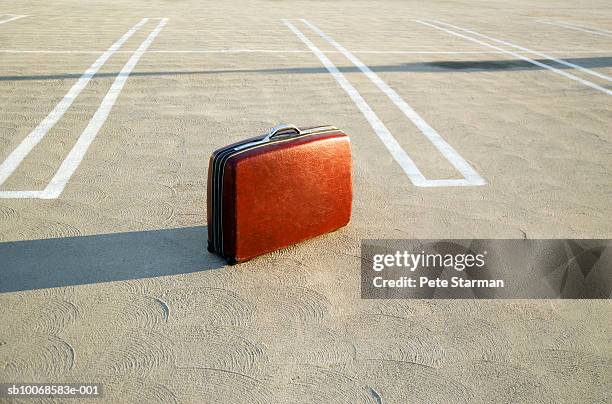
(378, 52)
(74, 158)
(470, 175)
(13, 18)
(595, 31)
(21, 194)
(409, 52)
(522, 48)
(517, 55)
(395, 149)
(48, 51)
(400, 156)
(14, 159)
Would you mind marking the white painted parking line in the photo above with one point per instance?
(21, 194)
(595, 31)
(12, 17)
(19, 154)
(378, 52)
(522, 48)
(96, 52)
(392, 145)
(400, 156)
(470, 175)
(525, 58)
(308, 51)
(74, 158)
(435, 52)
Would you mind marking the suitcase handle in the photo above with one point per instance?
(281, 129)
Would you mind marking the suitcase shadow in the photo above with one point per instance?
(36, 264)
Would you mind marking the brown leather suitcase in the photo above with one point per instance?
(274, 190)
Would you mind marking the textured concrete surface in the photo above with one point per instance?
(120, 290)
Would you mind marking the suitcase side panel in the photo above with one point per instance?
(209, 206)
(290, 192)
(228, 219)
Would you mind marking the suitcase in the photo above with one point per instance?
(274, 190)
